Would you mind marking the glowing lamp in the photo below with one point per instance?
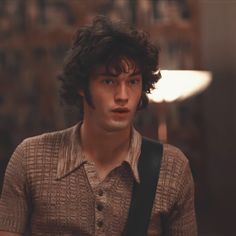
(177, 85)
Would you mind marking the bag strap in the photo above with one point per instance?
(144, 193)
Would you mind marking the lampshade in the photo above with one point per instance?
(177, 85)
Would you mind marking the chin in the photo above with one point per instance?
(118, 125)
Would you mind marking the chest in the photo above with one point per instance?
(72, 206)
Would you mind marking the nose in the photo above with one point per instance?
(121, 95)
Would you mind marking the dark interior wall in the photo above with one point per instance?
(218, 50)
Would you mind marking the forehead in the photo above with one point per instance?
(116, 67)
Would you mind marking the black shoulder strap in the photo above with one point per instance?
(144, 193)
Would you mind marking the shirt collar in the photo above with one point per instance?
(71, 156)
(134, 153)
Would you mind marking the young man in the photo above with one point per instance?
(79, 181)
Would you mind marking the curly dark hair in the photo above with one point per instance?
(107, 43)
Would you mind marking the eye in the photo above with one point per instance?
(108, 81)
(134, 81)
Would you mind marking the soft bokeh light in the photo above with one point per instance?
(179, 85)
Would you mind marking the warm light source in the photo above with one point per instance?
(176, 85)
(179, 84)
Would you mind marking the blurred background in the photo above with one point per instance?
(192, 34)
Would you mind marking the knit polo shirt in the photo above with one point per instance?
(51, 189)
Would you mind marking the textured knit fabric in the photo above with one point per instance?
(51, 189)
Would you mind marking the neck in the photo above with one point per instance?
(104, 147)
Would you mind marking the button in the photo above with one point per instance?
(100, 207)
(100, 223)
(100, 192)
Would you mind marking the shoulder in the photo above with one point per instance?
(40, 147)
(174, 173)
(173, 159)
(174, 167)
(38, 155)
(49, 139)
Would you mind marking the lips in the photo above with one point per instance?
(121, 110)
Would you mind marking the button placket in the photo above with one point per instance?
(100, 223)
(100, 192)
(99, 211)
(99, 206)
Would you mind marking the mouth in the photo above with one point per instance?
(121, 110)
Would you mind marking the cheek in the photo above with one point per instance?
(100, 99)
(95, 93)
(138, 95)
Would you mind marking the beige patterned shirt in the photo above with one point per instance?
(51, 189)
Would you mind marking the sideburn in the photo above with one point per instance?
(87, 97)
(143, 101)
